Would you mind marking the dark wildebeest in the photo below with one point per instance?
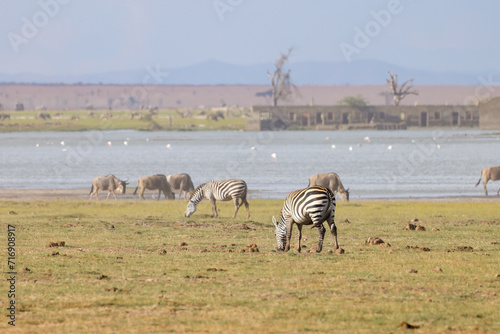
(44, 115)
(332, 182)
(158, 181)
(108, 182)
(490, 173)
(181, 182)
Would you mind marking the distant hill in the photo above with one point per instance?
(212, 72)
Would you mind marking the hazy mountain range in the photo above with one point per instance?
(212, 72)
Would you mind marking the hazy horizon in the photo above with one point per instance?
(64, 37)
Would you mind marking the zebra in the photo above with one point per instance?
(225, 190)
(312, 205)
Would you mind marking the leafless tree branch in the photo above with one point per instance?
(399, 92)
(281, 82)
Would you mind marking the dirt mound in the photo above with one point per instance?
(57, 244)
(252, 248)
(414, 227)
(377, 241)
(424, 249)
(461, 249)
(404, 324)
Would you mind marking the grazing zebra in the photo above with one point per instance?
(226, 190)
(312, 205)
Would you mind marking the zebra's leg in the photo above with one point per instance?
(299, 237)
(289, 225)
(236, 206)
(214, 208)
(248, 207)
(333, 229)
(321, 232)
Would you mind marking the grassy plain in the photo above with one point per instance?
(84, 120)
(141, 267)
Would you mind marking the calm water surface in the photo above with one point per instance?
(421, 163)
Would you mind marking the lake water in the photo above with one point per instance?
(421, 163)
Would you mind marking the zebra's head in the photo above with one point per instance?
(190, 209)
(195, 197)
(280, 233)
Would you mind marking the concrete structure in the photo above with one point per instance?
(369, 117)
(489, 115)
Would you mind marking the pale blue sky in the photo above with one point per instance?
(91, 36)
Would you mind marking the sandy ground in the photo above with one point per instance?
(43, 194)
(83, 194)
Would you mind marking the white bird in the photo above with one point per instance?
(389, 147)
(350, 148)
(333, 146)
(62, 143)
(367, 139)
(438, 146)
(168, 146)
(37, 145)
(274, 157)
(253, 148)
(125, 143)
(109, 143)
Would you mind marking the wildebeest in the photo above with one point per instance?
(181, 182)
(332, 182)
(44, 115)
(154, 182)
(490, 173)
(108, 182)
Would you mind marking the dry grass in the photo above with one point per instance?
(131, 266)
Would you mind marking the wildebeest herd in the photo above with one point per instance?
(309, 206)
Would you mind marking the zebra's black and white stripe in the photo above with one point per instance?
(226, 190)
(312, 205)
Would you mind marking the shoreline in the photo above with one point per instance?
(83, 194)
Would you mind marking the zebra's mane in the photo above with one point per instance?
(199, 188)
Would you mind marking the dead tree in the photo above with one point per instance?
(281, 82)
(399, 92)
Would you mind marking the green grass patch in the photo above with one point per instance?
(142, 120)
(140, 266)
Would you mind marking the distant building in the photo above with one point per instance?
(489, 114)
(369, 117)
